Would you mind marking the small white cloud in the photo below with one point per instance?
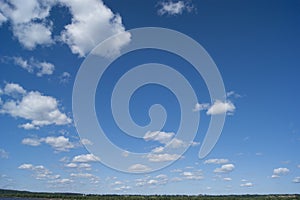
(85, 141)
(248, 184)
(158, 150)
(31, 141)
(174, 8)
(220, 107)
(62, 181)
(296, 179)
(32, 65)
(71, 165)
(200, 107)
(162, 157)
(225, 168)
(64, 77)
(3, 153)
(28, 126)
(233, 94)
(227, 179)
(60, 143)
(160, 136)
(281, 171)
(86, 158)
(197, 175)
(125, 154)
(139, 168)
(216, 161)
(275, 176)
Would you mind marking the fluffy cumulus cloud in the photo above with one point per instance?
(225, 168)
(216, 161)
(28, 21)
(277, 172)
(59, 143)
(86, 158)
(174, 8)
(93, 22)
(38, 109)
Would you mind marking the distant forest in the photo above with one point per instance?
(42, 195)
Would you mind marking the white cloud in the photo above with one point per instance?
(248, 184)
(139, 168)
(32, 34)
(64, 77)
(216, 161)
(40, 172)
(82, 175)
(71, 165)
(220, 107)
(39, 109)
(59, 143)
(28, 126)
(32, 65)
(14, 90)
(227, 179)
(3, 153)
(296, 179)
(92, 23)
(279, 172)
(162, 157)
(197, 175)
(28, 20)
(174, 8)
(200, 107)
(158, 150)
(225, 168)
(233, 94)
(31, 141)
(86, 158)
(176, 143)
(62, 181)
(85, 141)
(160, 136)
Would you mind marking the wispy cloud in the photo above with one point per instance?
(172, 8)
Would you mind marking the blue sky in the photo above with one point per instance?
(255, 45)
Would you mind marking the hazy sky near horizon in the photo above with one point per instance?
(255, 45)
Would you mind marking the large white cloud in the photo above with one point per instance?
(93, 22)
(40, 110)
(23, 16)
